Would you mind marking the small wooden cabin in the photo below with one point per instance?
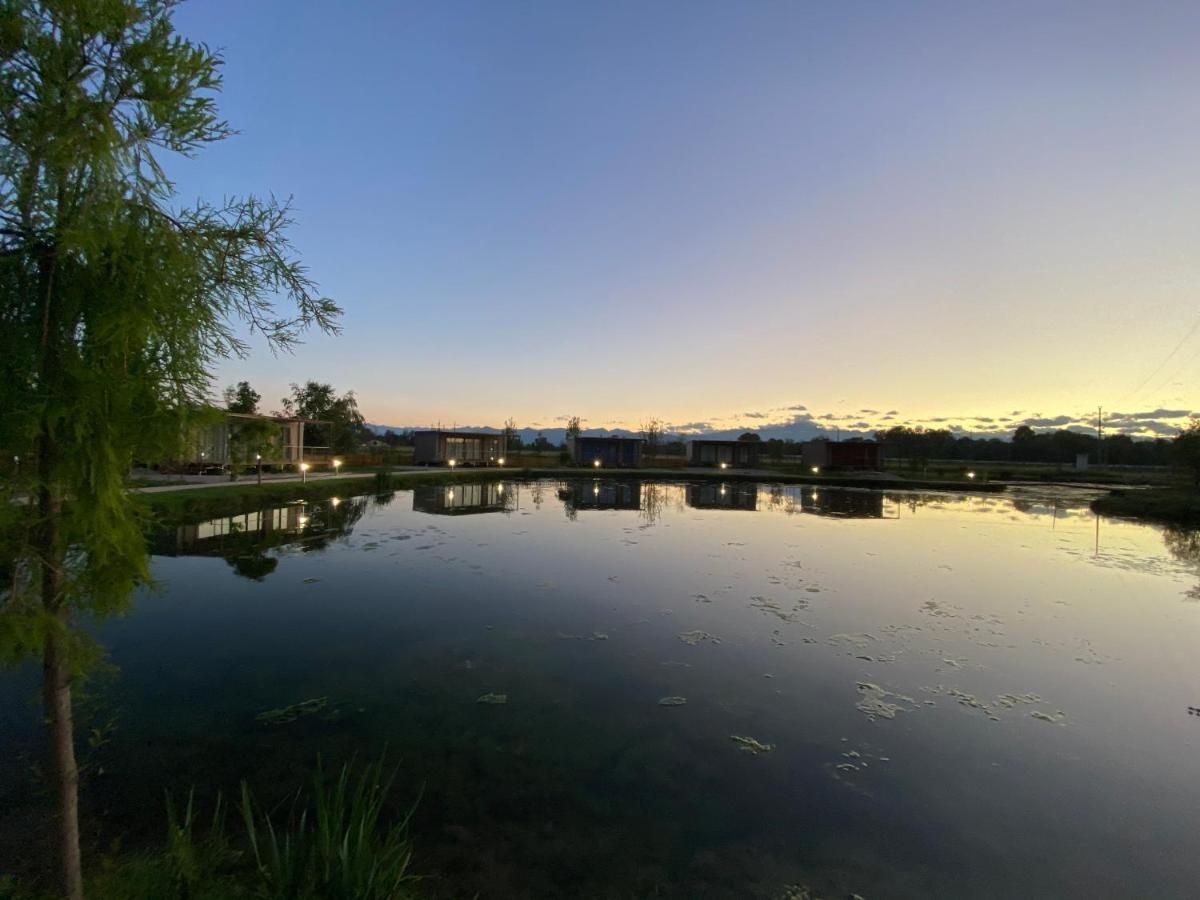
(731, 454)
(843, 455)
(459, 448)
(609, 452)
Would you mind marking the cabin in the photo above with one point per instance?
(246, 439)
(723, 454)
(866, 455)
(457, 448)
(608, 452)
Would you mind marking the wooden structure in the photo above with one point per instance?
(608, 452)
(457, 448)
(218, 445)
(843, 455)
(723, 454)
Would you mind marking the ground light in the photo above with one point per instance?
(258, 466)
(970, 474)
(724, 465)
(816, 470)
(500, 461)
(451, 463)
(304, 473)
(596, 463)
(337, 464)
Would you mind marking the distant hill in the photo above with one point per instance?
(801, 431)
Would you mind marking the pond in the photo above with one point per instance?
(624, 689)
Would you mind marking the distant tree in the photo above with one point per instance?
(1185, 451)
(541, 444)
(313, 400)
(512, 440)
(749, 436)
(574, 428)
(652, 434)
(242, 398)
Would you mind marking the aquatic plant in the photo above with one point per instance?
(334, 845)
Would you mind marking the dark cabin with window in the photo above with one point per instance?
(723, 454)
(458, 448)
(843, 455)
(610, 452)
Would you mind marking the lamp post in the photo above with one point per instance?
(337, 464)
(304, 473)
(16, 467)
(258, 466)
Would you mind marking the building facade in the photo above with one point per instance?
(611, 452)
(459, 448)
(731, 454)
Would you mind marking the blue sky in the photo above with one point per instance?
(717, 212)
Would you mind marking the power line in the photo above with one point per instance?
(1162, 365)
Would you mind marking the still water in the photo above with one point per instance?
(895, 695)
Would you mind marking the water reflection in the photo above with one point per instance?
(244, 540)
(600, 494)
(1184, 545)
(465, 499)
(739, 495)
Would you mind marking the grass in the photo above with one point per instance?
(1179, 505)
(333, 843)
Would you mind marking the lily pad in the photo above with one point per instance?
(692, 638)
(672, 701)
(293, 712)
(493, 699)
(750, 745)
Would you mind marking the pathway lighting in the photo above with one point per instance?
(816, 470)
(724, 465)
(452, 463)
(596, 463)
(304, 473)
(258, 466)
(337, 464)
(970, 474)
(500, 461)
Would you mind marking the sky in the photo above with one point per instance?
(727, 214)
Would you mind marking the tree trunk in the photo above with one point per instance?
(56, 692)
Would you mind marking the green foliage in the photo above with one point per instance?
(242, 398)
(1185, 451)
(333, 844)
(313, 400)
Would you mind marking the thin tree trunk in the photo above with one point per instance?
(56, 690)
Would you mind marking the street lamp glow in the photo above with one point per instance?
(970, 474)
(724, 465)
(337, 464)
(816, 469)
(500, 461)
(596, 463)
(304, 473)
(452, 462)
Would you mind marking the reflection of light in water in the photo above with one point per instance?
(451, 495)
(302, 521)
(334, 501)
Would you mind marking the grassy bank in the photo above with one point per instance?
(235, 498)
(1172, 506)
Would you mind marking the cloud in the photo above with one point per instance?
(1055, 422)
(1153, 414)
(754, 415)
(798, 409)
(869, 412)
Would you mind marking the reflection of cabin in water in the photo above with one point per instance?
(601, 494)
(611, 452)
(852, 454)
(739, 495)
(733, 454)
(847, 504)
(460, 448)
(217, 536)
(464, 499)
